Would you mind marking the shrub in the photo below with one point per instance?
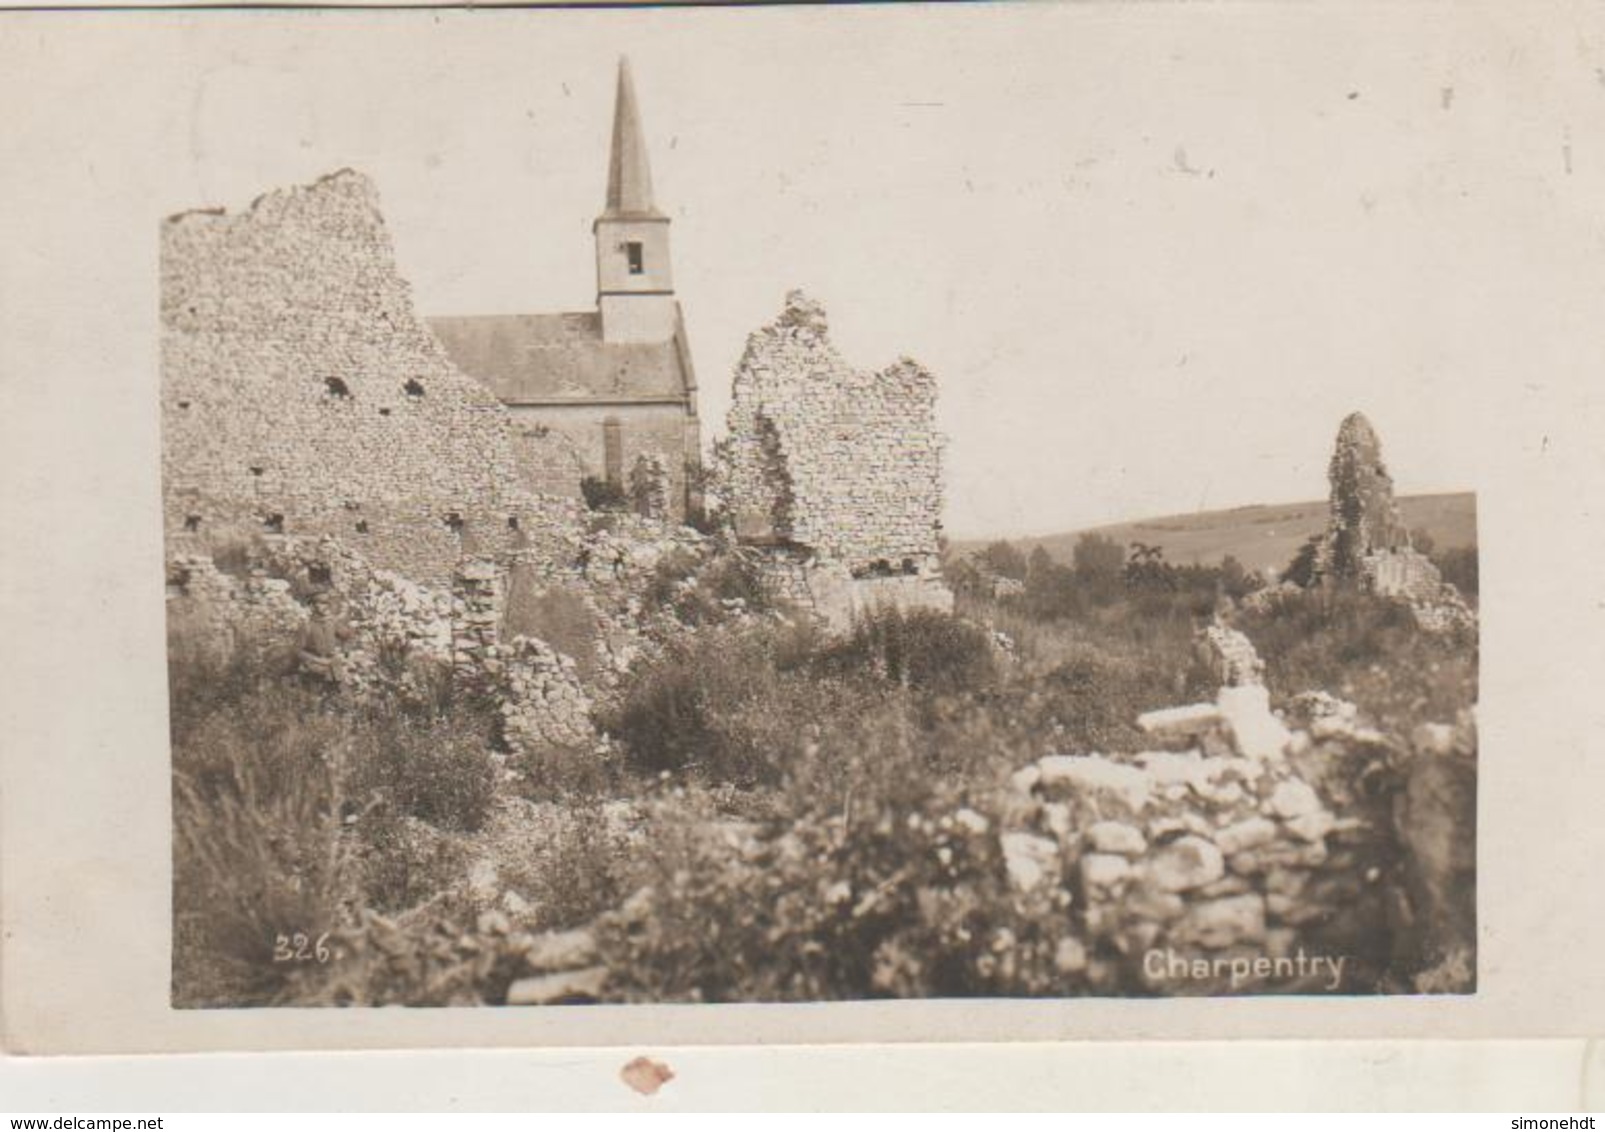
(439, 770)
(569, 774)
(921, 649)
(733, 705)
(571, 866)
(405, 862)
(699, 592)
(1301, 570)
(603, 495)
(1458, 565)
(1366, 649)
(891, 884)
(1004, 559)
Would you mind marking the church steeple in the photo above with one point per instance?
(629, 176)
(634, 282)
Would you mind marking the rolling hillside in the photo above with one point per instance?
(1261, 536)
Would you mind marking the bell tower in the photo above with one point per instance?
(634, 280)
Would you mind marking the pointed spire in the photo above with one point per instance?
(629, 177)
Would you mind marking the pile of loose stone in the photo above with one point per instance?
(1233, 855)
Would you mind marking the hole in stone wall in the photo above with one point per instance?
(337, 388)
(192, 522)
(319, 574)
(413, 387)
(909, 567)
(256, 469)
(384, 412)
(454, 523)
(362, 526)
(183, 404)
(512, 522)
(274, 523)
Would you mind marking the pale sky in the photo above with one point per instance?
(1153, 253)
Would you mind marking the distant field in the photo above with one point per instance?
(1262, 537)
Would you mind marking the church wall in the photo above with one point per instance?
(661, 430)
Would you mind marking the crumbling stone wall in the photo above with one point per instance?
(1248, 853)
(846, 463)
(541, 632)
(301, 394)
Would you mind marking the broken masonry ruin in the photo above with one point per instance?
(1367, 544)
(301, 394)
(835, 472)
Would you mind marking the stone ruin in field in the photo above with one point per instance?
(1366, 544)
(835, 472)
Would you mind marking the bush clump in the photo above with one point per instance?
(931, 652)
(733, 705)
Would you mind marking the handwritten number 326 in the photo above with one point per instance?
(300, 948)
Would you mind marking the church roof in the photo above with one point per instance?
(629, 177)
(540, 359)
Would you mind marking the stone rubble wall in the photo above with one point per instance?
(1214, 861)
(843, 462)
(302, 394)
(1231, 656)
(390, 633)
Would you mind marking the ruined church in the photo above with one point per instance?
(616, 384)
(304, 397)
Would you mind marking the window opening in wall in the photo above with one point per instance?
(183, 404)
(192, 522)
(362, 526)
(319, 574)
(512, 522)
(337, 388)
(909, 567)
(256, 469)
(274, 523)
(385, 412)
(413, 387)
(454, 522)
(613, 451)
(634, 255)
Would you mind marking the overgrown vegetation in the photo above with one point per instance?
(776, 814)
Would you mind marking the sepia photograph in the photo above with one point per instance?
(646, 529)
(651, 547)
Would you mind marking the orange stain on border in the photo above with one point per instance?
(646, 1076)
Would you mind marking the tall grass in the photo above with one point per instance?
(259, 851)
